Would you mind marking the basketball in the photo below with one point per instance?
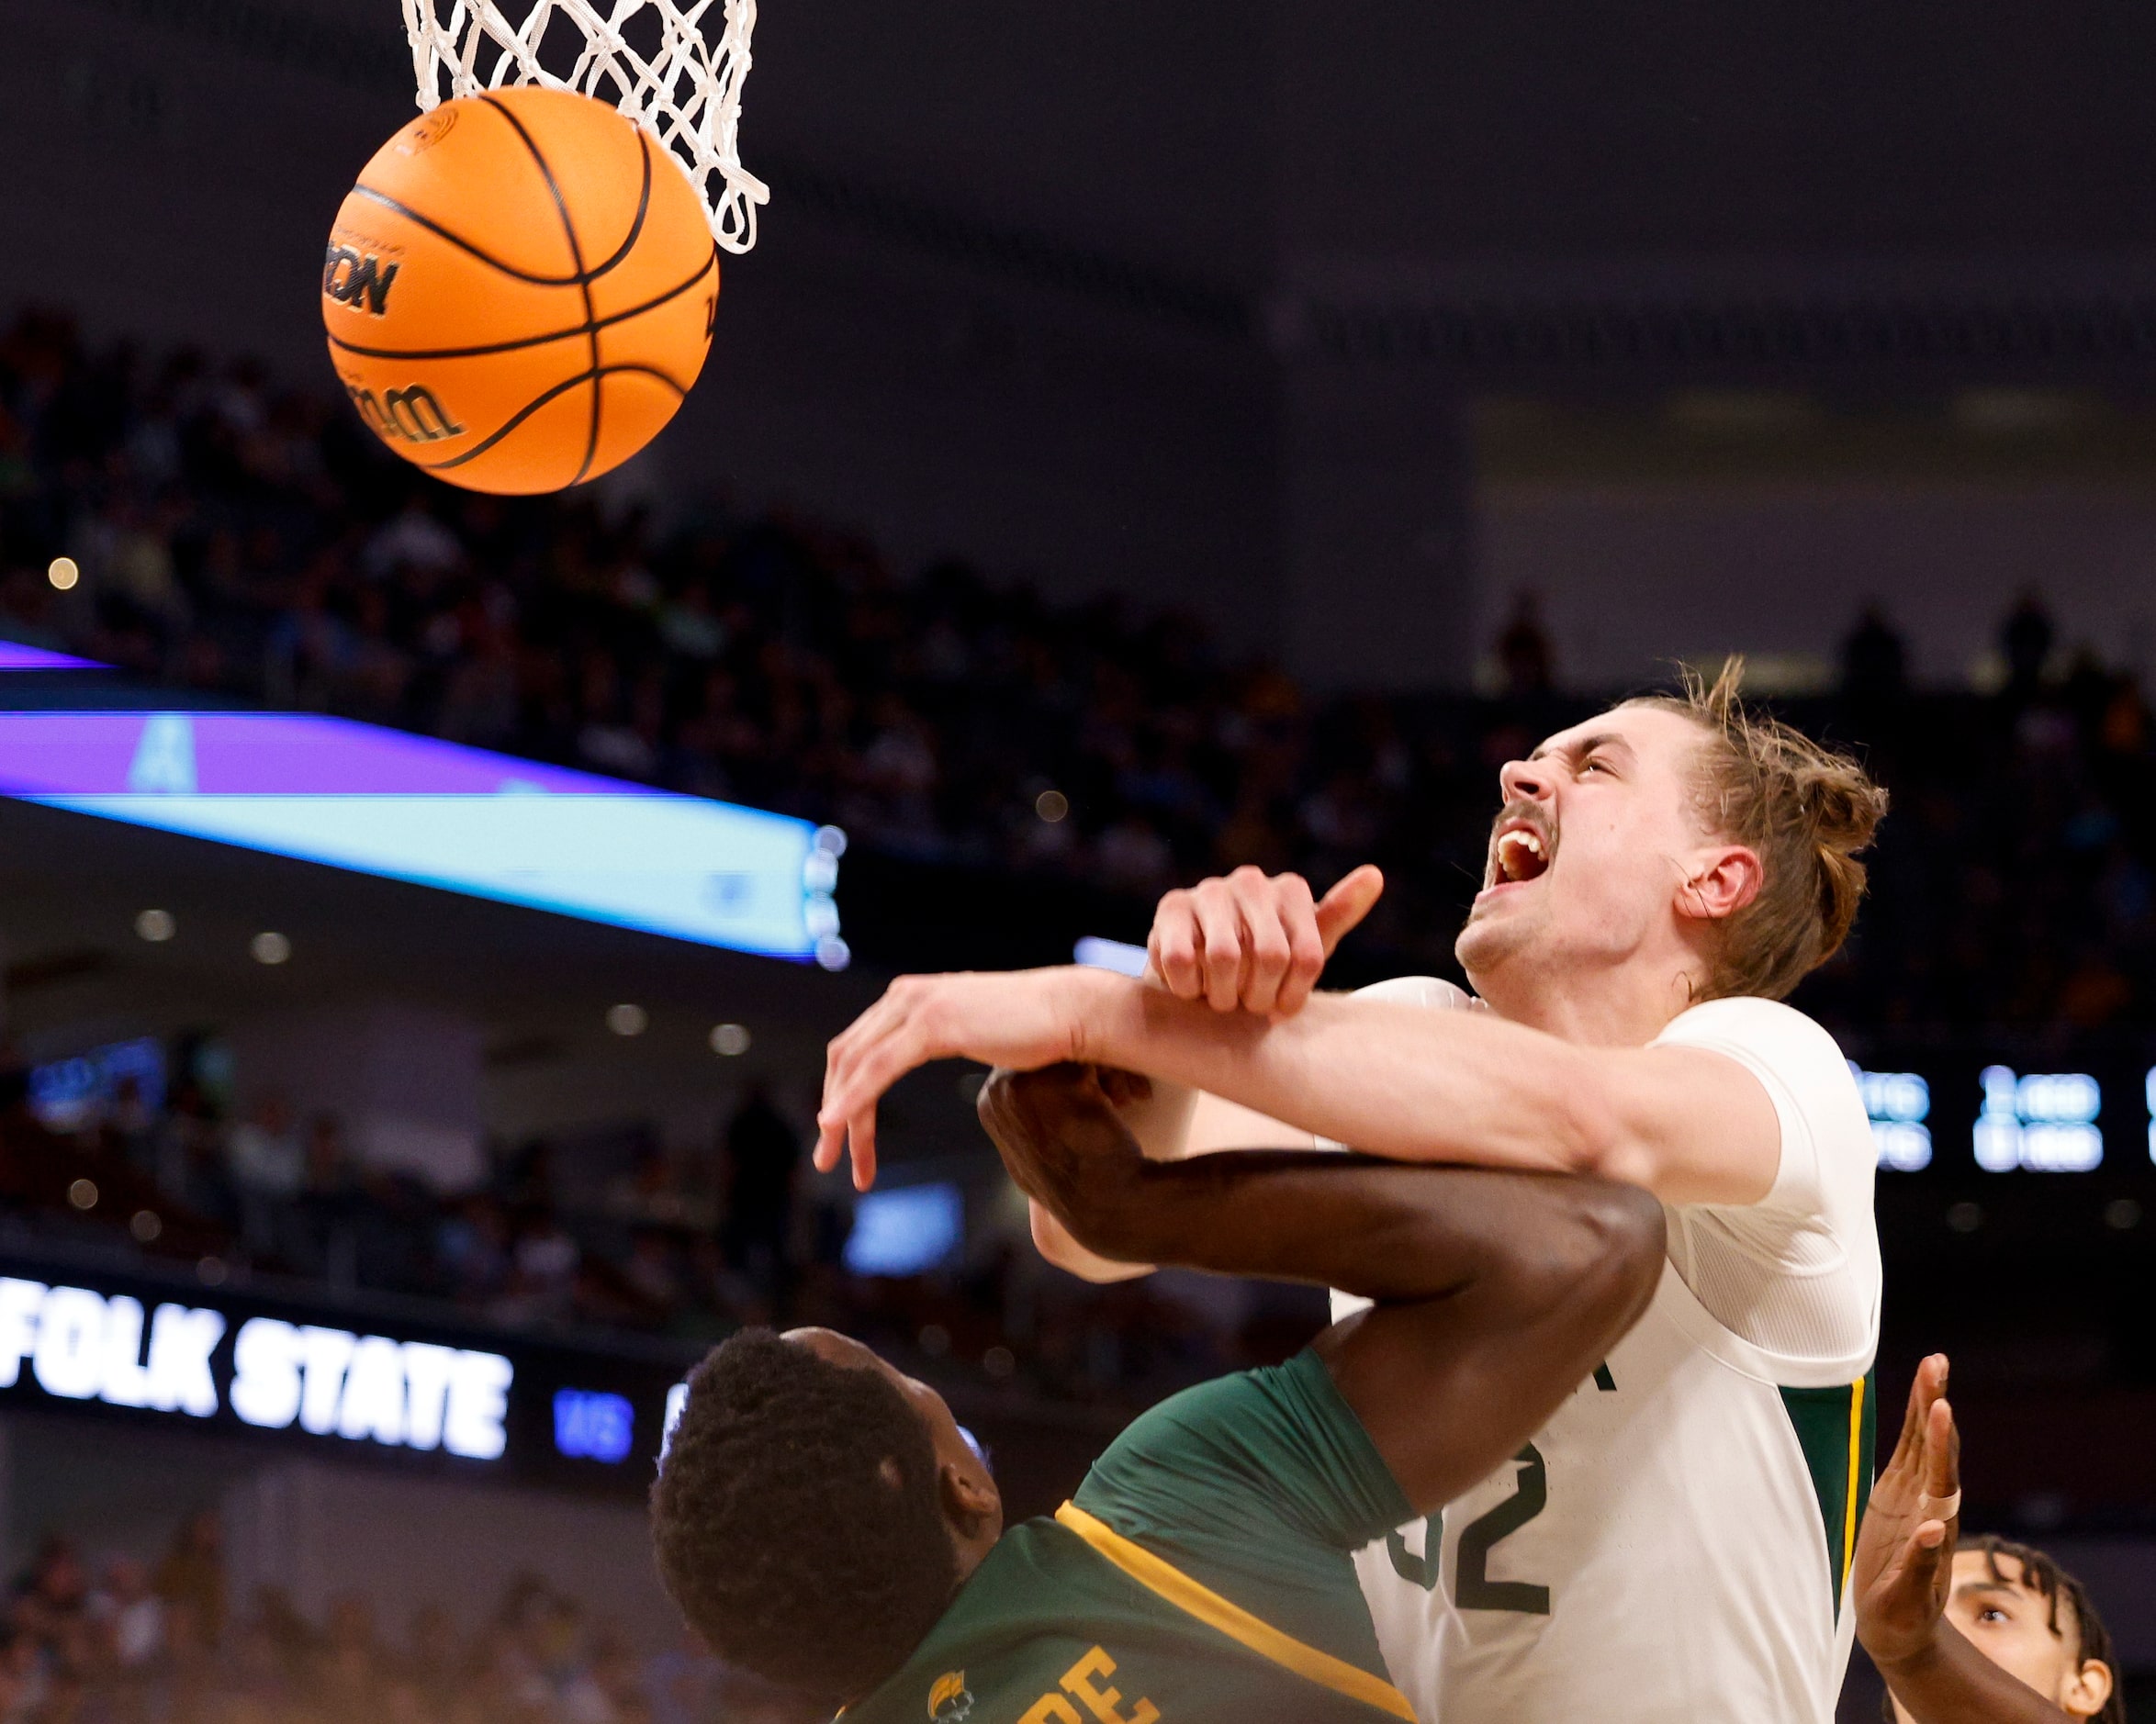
(520, 290)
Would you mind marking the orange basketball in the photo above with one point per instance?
(520, 290)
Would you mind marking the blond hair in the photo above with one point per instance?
(1807, 811)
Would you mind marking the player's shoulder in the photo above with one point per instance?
(1772, 1038)
(1753, 1020)
(1190, 1432)
(1433, 992)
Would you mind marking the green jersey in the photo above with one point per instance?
(1204, 1573)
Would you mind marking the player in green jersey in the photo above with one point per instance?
(821, 1521)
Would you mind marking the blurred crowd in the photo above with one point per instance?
(685, 1246)
(682, 1246)
(124, 1641)
(240, 537)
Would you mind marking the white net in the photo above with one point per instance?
(646, 57)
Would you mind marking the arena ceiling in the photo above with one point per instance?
(1223, 139)
(1226, 144)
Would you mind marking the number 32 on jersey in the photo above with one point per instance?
(1472, 1587)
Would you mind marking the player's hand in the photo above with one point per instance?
(1904, 1558)
(1061, 1139)
(1022, 1019)
(1253, 943)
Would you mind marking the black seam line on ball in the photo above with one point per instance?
(568, 229)
(533, 406)
(643, 209)
(538, 280)
(702, 270)
(463, 244)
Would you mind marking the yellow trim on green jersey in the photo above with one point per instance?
(1166, 1580)
(1858, 1472)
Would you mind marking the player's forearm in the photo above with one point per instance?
(1379, 1230)
(1393, 1080)
(1949, 1682)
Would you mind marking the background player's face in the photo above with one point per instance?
(2010, 1624)
(1596, 838)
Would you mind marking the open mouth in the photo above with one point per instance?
(1518, 855)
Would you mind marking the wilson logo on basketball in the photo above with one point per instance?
(353, 279)
(421, 133)
(409, 415)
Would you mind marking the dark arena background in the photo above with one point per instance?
(1147, 439)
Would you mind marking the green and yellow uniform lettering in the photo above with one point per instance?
(1212, 1548)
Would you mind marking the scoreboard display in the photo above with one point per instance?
(1966, 1114)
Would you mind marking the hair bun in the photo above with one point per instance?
(1805, 809)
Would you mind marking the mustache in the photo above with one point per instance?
(1532, 815)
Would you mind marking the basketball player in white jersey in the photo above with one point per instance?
(1675, 1543)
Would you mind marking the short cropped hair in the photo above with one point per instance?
(798, 1521)
(1807, 810)
(2083, 1627)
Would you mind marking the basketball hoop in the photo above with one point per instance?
(646, 57)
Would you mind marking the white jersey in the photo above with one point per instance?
(1673, 1544)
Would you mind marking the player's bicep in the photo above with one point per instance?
(1692, 1125)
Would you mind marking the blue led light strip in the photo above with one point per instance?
(379, 801)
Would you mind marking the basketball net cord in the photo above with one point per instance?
(687, 94)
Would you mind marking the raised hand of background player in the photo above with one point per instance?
(1904, 1559)
(1022, 1019)
(1253, 942)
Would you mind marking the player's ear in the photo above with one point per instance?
(971, 1502)
(1720, 882)
(2088, 1691)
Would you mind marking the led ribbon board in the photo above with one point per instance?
(14, 656)
(165, 1354)
(410, 808)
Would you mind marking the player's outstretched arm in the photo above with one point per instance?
(1497, 1293)
(1903, 1565)
(1691, 1125)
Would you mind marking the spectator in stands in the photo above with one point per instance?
(188, 1159)
(351, 1669)
(1875, 662)
(653, 1271)
(53, 1598)
(129, 1126)
(433, 1659)
(24, 1675)
(130, 1613)
(2025, 643)
(759, 1172)
(1525, 659)
(543, 1261)
(323, 1235)
(268, 1165)
(191, 1578)
(472, 1247)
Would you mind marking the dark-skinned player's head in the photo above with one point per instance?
(816, 1511)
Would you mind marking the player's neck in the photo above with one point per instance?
(1626, 1005)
